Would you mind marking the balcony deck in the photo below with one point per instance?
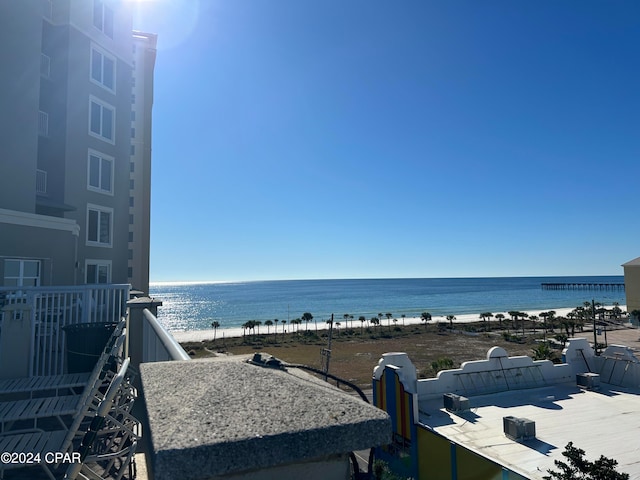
(293, 421)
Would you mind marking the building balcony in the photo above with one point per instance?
(246, 417)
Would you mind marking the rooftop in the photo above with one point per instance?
(604, 422)
(602, 416)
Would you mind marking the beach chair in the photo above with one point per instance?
(62, 406)
(108, 447)
(57, 384)
(38, 443)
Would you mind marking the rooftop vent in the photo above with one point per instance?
(455, 403)
(588, 381)
(519, 428)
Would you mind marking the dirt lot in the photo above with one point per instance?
(354, 353)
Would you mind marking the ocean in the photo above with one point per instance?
(193, 306)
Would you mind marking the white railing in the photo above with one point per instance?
(43, 123)
(158, 345)
(45, 65)
(41, 181)
(52, 308)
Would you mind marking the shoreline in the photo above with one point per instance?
(183, 336)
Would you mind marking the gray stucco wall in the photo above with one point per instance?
(54, 248)
(20, 41)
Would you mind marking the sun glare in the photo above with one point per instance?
(173, 20)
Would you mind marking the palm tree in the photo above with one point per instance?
(245, 326)
(307, 317)
(268, 323)
(296, 322)
(338, 327)
(283, 323)
(362, 320)
(485, 317)
(395, 323)
(215, 325)
(276, 329)
(351, 318)
(375, 321)
(388, 315)
(451, 318)
(552, 316)
(523, 315)
(425, 317)
(257, 323)
(500, 317)
(616, 311)
(403, 317)
(544, 316)
(542, 351)
(346, 319)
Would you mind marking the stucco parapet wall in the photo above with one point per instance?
(406, 370)
(499, 372)
(217, 417)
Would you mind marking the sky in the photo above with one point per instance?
(299, 139)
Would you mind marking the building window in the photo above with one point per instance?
(21, 273)
(133, 115)
(132, 167)
(45, 65)
(132, 184)
(103, 69)
(133, 98)
(133, 149)
(130, 237)
(103, 18)
(100, 173)
(131, 201)
(43, 123)
(102, 117)
(131, 219)
(99, 226)
(133, 133)
(98, 271)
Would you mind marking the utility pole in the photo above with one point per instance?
(595, 333)
(326, 352)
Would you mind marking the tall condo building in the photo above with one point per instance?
(76, 91)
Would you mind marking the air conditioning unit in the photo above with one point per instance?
(519, 428)
(588, 381)
(455, 403)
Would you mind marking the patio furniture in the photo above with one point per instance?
(15, 387)
(38, 443)
(108, 447)
(35, 409)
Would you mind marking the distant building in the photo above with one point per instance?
(75, 136)
(509, 418)
(632, 285)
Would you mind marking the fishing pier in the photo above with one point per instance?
(583, 286)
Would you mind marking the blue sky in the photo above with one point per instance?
(366, 138)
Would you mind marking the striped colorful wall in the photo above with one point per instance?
(420, 453)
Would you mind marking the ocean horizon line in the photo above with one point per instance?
(223, 282)
(196, 305)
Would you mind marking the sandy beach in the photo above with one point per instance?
(203, 335)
